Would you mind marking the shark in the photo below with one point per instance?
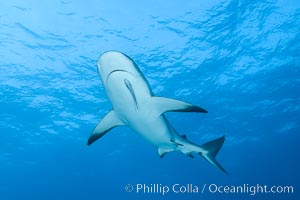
(134, 105)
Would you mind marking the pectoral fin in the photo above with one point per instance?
(171, 105)
(110, 121)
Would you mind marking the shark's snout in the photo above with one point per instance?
(112, 62)
(135, 106)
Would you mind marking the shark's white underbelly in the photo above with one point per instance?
(134, 105)
(137, 111)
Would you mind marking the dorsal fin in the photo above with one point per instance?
(184, 136)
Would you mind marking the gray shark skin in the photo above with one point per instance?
(134, 105)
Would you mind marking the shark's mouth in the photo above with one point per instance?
(115, 71)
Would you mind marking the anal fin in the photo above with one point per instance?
(190, 155)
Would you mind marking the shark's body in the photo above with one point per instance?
(135, 106)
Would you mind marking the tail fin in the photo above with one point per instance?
(212, 149)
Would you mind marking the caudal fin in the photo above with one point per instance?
(212, 149)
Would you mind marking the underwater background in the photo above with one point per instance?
(238, 59)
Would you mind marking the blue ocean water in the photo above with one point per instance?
(239, 59)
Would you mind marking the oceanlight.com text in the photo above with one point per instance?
(176, 188)
(248, 189)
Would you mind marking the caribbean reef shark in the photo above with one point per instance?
(134, 105)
